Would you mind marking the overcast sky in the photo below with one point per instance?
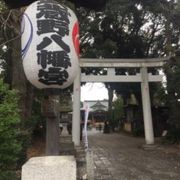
(93, 91)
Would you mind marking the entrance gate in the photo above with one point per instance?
(143, 77)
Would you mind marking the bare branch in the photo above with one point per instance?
(10, 40)
(5, 21)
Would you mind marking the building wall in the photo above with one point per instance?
(92, 102)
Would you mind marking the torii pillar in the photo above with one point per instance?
(147, 114)
(76, 120)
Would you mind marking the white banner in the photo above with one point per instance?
(86, 115)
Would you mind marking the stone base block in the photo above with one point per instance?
(50, 168)
(149, 147)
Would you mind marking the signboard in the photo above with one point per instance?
(50, 44)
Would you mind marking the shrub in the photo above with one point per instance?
(10, 147)
(172, 70)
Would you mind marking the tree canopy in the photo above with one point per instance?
(91, 4)
(135, 29)
(129, 29)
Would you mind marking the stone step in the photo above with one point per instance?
(81, 163)
(67, 148)
(65, 138)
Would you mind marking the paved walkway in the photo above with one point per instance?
(120, 157)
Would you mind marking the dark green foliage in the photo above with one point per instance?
(8, 175)
(138, 130)
(125, 29)
(118, 109)
(172, 70)
(91, 4)
(37, 121)
(116, 114)
(10, 147)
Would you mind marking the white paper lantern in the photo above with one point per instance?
(50, 44)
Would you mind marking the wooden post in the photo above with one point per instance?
(52, 136)
(52, 125)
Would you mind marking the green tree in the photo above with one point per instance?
(118, 111)
(13, 73)
(10, 147)
(172, 70)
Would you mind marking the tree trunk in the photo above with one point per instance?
(110, 94)
(19, 81)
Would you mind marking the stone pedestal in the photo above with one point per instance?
(50, 168)
(67, 146)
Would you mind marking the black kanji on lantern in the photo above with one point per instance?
(53, 20)
(53, 76)
(47, 41)
(50, 25)
(52, 11)
(52, 58)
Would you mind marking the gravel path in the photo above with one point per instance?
(121, 157)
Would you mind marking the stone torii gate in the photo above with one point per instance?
(143, 77)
